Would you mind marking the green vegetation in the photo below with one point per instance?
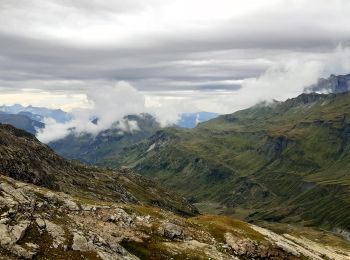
(320, 236)
(284, 161)
(217, 226)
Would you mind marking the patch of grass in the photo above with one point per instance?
(322, 237)
(136, 248)
(217, 226)
(150, 211)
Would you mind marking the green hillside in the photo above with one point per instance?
(284, 161)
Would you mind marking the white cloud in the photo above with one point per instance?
(288, 77)
(285, 78)
(108, 104)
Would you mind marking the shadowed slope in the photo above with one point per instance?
(24, 158)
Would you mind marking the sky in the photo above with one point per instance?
(179, 55)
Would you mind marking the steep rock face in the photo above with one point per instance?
(24, 158)
(284, 161)
(36, 223)
(333, 84)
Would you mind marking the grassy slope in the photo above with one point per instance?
(286, 161)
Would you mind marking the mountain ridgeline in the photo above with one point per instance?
(24, 158)
(333, 84)
(37, 113)
(21, 121)
(282, 161)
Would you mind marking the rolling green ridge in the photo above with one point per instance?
(281, 161)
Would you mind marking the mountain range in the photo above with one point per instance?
(246, 164)
(179, 192)
(284, 161)
(276, 161)
(52, 208)
(37, 113)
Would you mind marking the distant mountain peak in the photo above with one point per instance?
(333, 84)
(37, 113)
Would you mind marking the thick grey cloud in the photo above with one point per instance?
(160, 45)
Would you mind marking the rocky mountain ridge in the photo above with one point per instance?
(24, 158)
(333, 84)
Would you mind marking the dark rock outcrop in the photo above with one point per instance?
(333, 84)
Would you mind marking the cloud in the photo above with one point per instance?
(283, 79)
(180, 56)
(159, 45)
(108, 105)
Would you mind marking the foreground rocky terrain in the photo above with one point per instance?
(36, 223)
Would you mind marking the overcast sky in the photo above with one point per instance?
(182, 55)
